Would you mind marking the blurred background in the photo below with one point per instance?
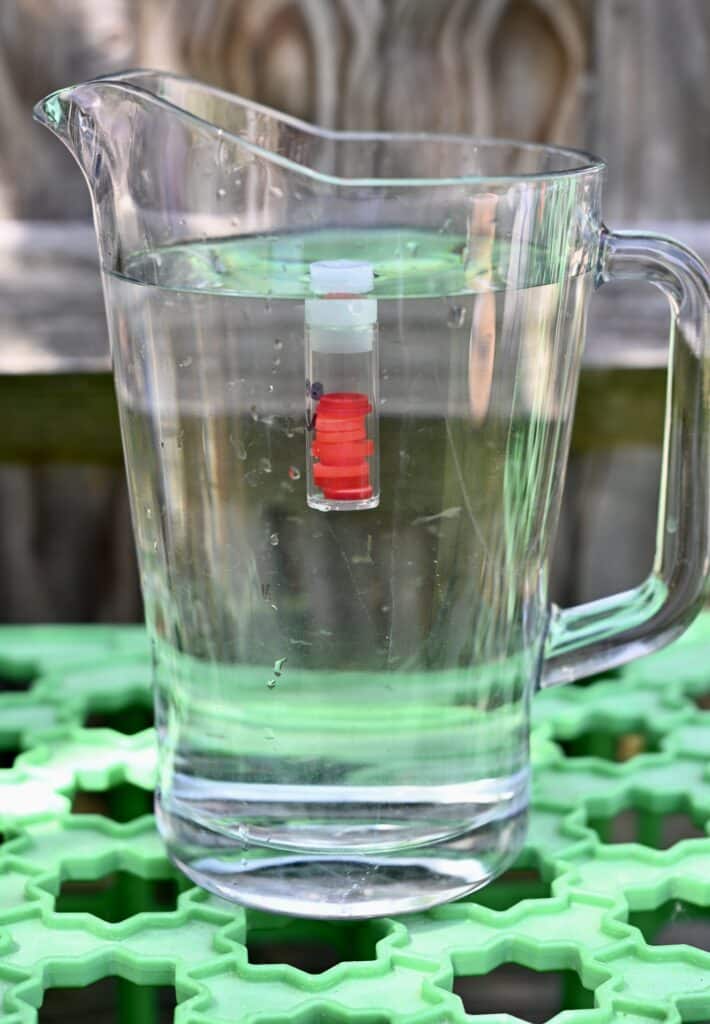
(627, 79)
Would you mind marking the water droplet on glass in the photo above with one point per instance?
(271, 683)
(254, 412)
(274, 540)
(221, 193)
(294, 473)
(184, 363)
(456, 317)
(265, 465)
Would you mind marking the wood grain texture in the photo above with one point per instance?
(627, 78)
(46, 44)
(505, 67)
(502, 67)
(652, 120)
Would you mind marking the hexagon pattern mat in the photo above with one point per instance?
(611, 897)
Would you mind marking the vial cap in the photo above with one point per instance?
(342, 277)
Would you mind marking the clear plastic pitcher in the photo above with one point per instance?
(346, 368)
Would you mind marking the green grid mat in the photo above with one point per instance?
(72, 702)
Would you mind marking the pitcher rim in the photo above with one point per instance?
(587, 162)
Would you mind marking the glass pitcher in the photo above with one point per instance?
(346, 368)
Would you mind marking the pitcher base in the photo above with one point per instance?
(345, 887)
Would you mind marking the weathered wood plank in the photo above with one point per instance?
(652, 120)
(53, 316)
(627, 78)
(72, 417)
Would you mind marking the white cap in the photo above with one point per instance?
(342, 324)
(347, 277)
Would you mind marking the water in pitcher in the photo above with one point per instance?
(343, 686)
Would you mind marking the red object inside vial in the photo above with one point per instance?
(341, 445)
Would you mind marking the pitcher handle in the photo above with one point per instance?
(589, 638)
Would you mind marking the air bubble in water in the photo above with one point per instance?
(278, 344)
(183, 364)
(254, 412)
(221, 193)
(294, 473)
(456, 317)
(279, 666)
(274, 540)
(251, 479)
(241, 451)
(271, 683)
(265, 465)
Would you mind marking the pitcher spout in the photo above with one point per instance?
(53, 112)
(80, 116)
(167, 159)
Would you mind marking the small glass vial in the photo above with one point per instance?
(342, 457)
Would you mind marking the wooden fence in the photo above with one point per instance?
(625, 78)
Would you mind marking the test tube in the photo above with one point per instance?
(342, 458)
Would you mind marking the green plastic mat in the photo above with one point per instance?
(606, 918)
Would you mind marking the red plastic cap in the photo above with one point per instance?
(341, 446)
(341, 404)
